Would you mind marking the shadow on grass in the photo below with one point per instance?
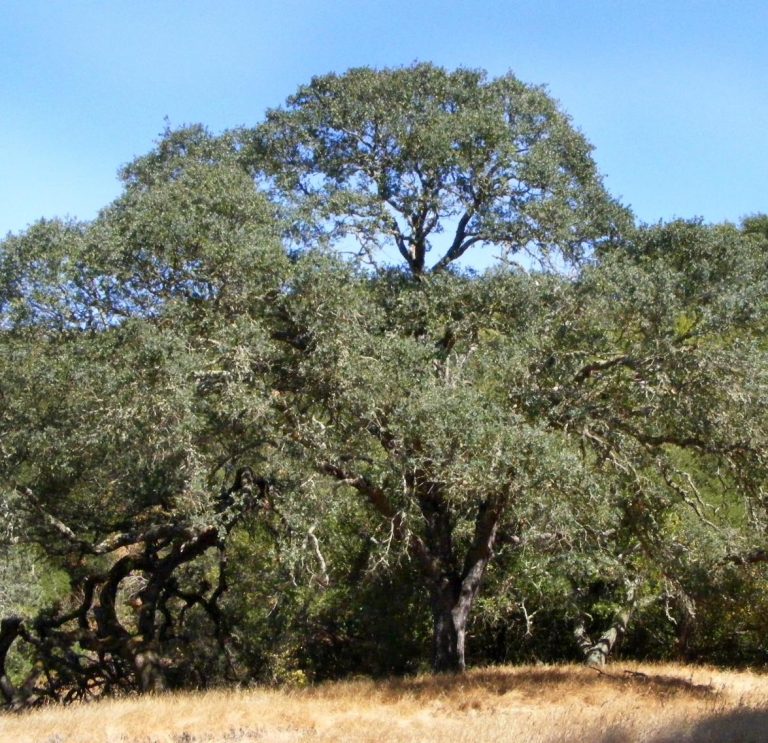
(741, 726)
(531, 682)
(534, 680)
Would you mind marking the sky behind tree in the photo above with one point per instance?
(672, 93)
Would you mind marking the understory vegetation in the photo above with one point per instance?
(258, 424)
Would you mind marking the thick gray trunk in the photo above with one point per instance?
(453, 597)
(452, 587)
(450, 611)
(453, 593)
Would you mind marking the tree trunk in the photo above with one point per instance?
(449, 628)
(9, 630)
(596, 654)
(453, 588)
(454, 595)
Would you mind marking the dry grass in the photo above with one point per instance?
(543, 704)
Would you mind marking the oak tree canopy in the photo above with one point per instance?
(431, 161)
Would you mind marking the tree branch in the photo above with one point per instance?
(115, 653)
(458, 246)
(381, 503)
(587, 371)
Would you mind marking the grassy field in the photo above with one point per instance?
(531, 704)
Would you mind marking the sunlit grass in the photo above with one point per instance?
(530, 704)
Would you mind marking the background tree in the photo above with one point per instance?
(135, 355)
(398, 156)
(662, 385)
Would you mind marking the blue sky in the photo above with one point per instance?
(673, 94)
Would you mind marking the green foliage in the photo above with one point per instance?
(600, 434)
(396, 156)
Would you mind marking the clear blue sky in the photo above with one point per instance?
(672, 93)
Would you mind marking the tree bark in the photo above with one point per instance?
(452, 588)
(453, 594)
(596, 654)
(87, 650)
(451, 605)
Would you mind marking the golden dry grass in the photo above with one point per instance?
(541, 704)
